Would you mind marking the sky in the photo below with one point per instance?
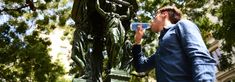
(60, 49)
(4, 18)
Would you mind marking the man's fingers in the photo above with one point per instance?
(139, 34)
(139, 28)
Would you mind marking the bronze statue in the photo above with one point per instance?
(100, 31)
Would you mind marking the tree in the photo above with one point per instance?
(24, 53)
(225, 31)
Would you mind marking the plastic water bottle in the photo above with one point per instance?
(135, 25)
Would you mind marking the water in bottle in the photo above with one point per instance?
(134, 26)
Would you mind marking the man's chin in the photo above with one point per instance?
(156, 31)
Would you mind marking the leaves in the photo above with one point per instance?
(44, 21)
(22, 27)
(62, 20)
(225, 31)
(23, 53)
(42, 6)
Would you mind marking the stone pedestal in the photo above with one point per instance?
(118, 76)
(114, 76)
(80, 80)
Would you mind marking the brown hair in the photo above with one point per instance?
(174, 13)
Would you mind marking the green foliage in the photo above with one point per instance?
(26, 59)
(15, 1)
(205, 26)
(23, 53)
(225, 62)
(42, 6)
(15, 14)
(21, 27)
(225, 31)
(62, 21)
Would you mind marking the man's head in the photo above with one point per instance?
(165, 16)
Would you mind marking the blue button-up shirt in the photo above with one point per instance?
(182, 56)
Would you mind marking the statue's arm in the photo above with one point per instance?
(124, 3)
(100, 11)
(75, 58)
(129, 13)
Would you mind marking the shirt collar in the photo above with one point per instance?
(165, 29)
(168, 26)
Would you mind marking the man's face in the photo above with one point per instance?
(158, 22)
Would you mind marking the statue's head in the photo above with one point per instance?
(113, 7)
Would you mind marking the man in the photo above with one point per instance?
(182, 55)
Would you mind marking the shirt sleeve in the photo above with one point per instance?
(141, 62)
(203, 65)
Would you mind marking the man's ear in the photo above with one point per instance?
(164, 14)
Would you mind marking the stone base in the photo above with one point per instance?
(80, 80)
(115, 76)
(118, 76)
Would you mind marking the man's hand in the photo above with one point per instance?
(139, 34)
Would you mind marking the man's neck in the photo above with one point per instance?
(167, 23)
